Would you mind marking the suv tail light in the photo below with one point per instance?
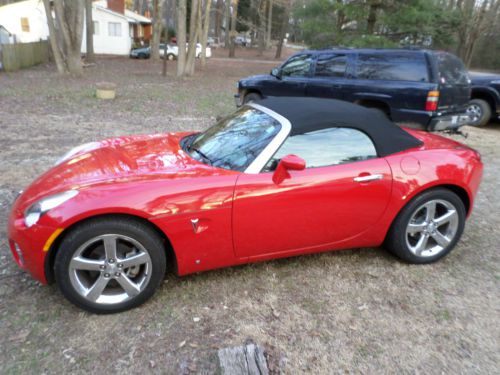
(432, 101)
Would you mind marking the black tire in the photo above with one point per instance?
(153, 273)
(251, 97)
(396, 240)
(481, 111)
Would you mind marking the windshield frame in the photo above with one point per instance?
(258, 164)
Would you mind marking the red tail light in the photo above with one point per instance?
(432, 101)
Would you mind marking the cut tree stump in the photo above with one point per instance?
(243, 360)
(105, 90)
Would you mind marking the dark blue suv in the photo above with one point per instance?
(427, 87)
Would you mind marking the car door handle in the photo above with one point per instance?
(370, 177)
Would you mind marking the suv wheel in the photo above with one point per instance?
(253, 96)
(480, 112)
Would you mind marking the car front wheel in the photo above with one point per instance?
(428, 227)
(110, 265)
(479, 112)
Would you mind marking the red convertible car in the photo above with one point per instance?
(278, 178)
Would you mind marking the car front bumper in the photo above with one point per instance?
(237, 100)
(29, 246)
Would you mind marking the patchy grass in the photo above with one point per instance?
(350, 311)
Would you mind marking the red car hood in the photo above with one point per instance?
(123, 159)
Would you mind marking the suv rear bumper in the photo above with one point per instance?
(448, 122)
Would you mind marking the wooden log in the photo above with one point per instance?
(243, 360)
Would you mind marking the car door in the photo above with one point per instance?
(328, 78)
(293, 77)
(343, 191)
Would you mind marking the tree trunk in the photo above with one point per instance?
(284, 28)
(372, 16)
(232, 34)
(67, 36)
(262, 26)
(227, 39)
(193, 36)
(218, 18)
(157, 26)
(181, 37)
(89, 23)
(269, 23)
(165, 59)
(204, 34)
(54, 45)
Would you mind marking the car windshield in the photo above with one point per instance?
(234, 142)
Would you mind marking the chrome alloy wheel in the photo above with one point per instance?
(475, 112)
(432, 227)
(110, 269)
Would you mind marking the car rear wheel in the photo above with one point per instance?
(480, 112)
(110, 265)
(428, 227)
(251, 97)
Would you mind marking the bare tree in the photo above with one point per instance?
(284, 28)
(181, 37)
(232, 33)
(204, 32)
(227, 17)
(261, 28)
(269, 23)
(157, 28)
(66, 33)
(89, 24)
(194, 33)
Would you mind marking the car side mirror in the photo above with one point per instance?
(276, 72)
(287, 163)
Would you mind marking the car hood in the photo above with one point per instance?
(259, 77)
(123, 159)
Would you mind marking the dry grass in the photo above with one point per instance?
(356, 311)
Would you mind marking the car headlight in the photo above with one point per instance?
(86, 147)
(36, 210)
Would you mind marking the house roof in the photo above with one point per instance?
(136, 18)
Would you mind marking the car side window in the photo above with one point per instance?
(298, 66)
(452, 70)
(393, 67)
(329, 65)
(326, 147)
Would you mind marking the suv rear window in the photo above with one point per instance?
(451, 69)
(393, 67)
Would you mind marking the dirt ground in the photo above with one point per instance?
(355, 311)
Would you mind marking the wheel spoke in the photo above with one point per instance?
(421, 244)
(96, 290)
(110, 246)
(135, 260)
(131, 288)
(430, 209)
(86, 264)
(446, 218)
(440, 239)
(414, 228)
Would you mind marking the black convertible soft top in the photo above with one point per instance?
(311, 114)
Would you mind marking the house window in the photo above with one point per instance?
(114, 29)
(25, 24)
(96, 27)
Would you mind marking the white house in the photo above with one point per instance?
(114, 27)
(25, 21)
